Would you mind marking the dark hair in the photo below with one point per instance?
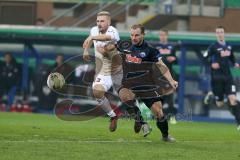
(13, 60)
(40, 20)
(164, 30)
(60, 54)
(220, 27)
(140, 26)
(8, 53)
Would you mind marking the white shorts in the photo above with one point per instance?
(108, 81)
(105, 81)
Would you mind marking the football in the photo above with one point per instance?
(55, 80)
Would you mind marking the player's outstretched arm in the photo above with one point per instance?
(87, 42)
(233, 60)
(102, 37)
(86, 45)
(166, 73)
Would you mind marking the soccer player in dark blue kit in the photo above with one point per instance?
(168, 53)
(221, 55)
(140, 52)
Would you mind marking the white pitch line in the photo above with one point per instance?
(106, 141)
(78, 141)
(205, 141)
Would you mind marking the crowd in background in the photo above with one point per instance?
(11, 84)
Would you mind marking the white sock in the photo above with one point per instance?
(105, 105)
(111, 113)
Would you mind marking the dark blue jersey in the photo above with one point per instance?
(143, 53)
(141, 74)
(222, 54)
(167, 50)
(141, 56)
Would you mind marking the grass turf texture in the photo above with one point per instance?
(41, 137)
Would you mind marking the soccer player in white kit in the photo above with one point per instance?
(101, 35)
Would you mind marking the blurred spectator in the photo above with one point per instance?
(40, 22)
(48, 98)
(84, 74)
(1, 66)
(40, 85)
(64, 68)
(10, 74)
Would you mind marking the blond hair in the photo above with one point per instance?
(103, 13)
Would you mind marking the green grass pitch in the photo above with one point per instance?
(43, 137)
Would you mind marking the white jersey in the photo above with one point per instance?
(106, 62)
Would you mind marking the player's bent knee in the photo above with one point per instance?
(126, 95)
(98, 91)
(157, 110)
(219, 103)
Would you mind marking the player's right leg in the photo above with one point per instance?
(218, 91)
(235, 108)
(234, 104)
(99, 89)
(128, 97)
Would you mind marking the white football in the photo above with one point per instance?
(55, 80)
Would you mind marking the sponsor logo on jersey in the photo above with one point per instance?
(132, 59)
(142, 54)
(165, 51)
(225, 53)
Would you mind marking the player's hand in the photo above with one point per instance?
(86, 42)
(101, 50)
(174, 84)
(86, 56)
(215, 65)
(171, 59)
(110, 47)
(236, 65)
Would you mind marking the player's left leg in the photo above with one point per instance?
(162, 122)
(155, 105)
(100, 86)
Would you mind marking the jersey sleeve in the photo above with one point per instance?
(155, 55)
(174, 51)
(232, 57)
(114, 34)
(93, 31)
(174, 54)
(209, 51)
